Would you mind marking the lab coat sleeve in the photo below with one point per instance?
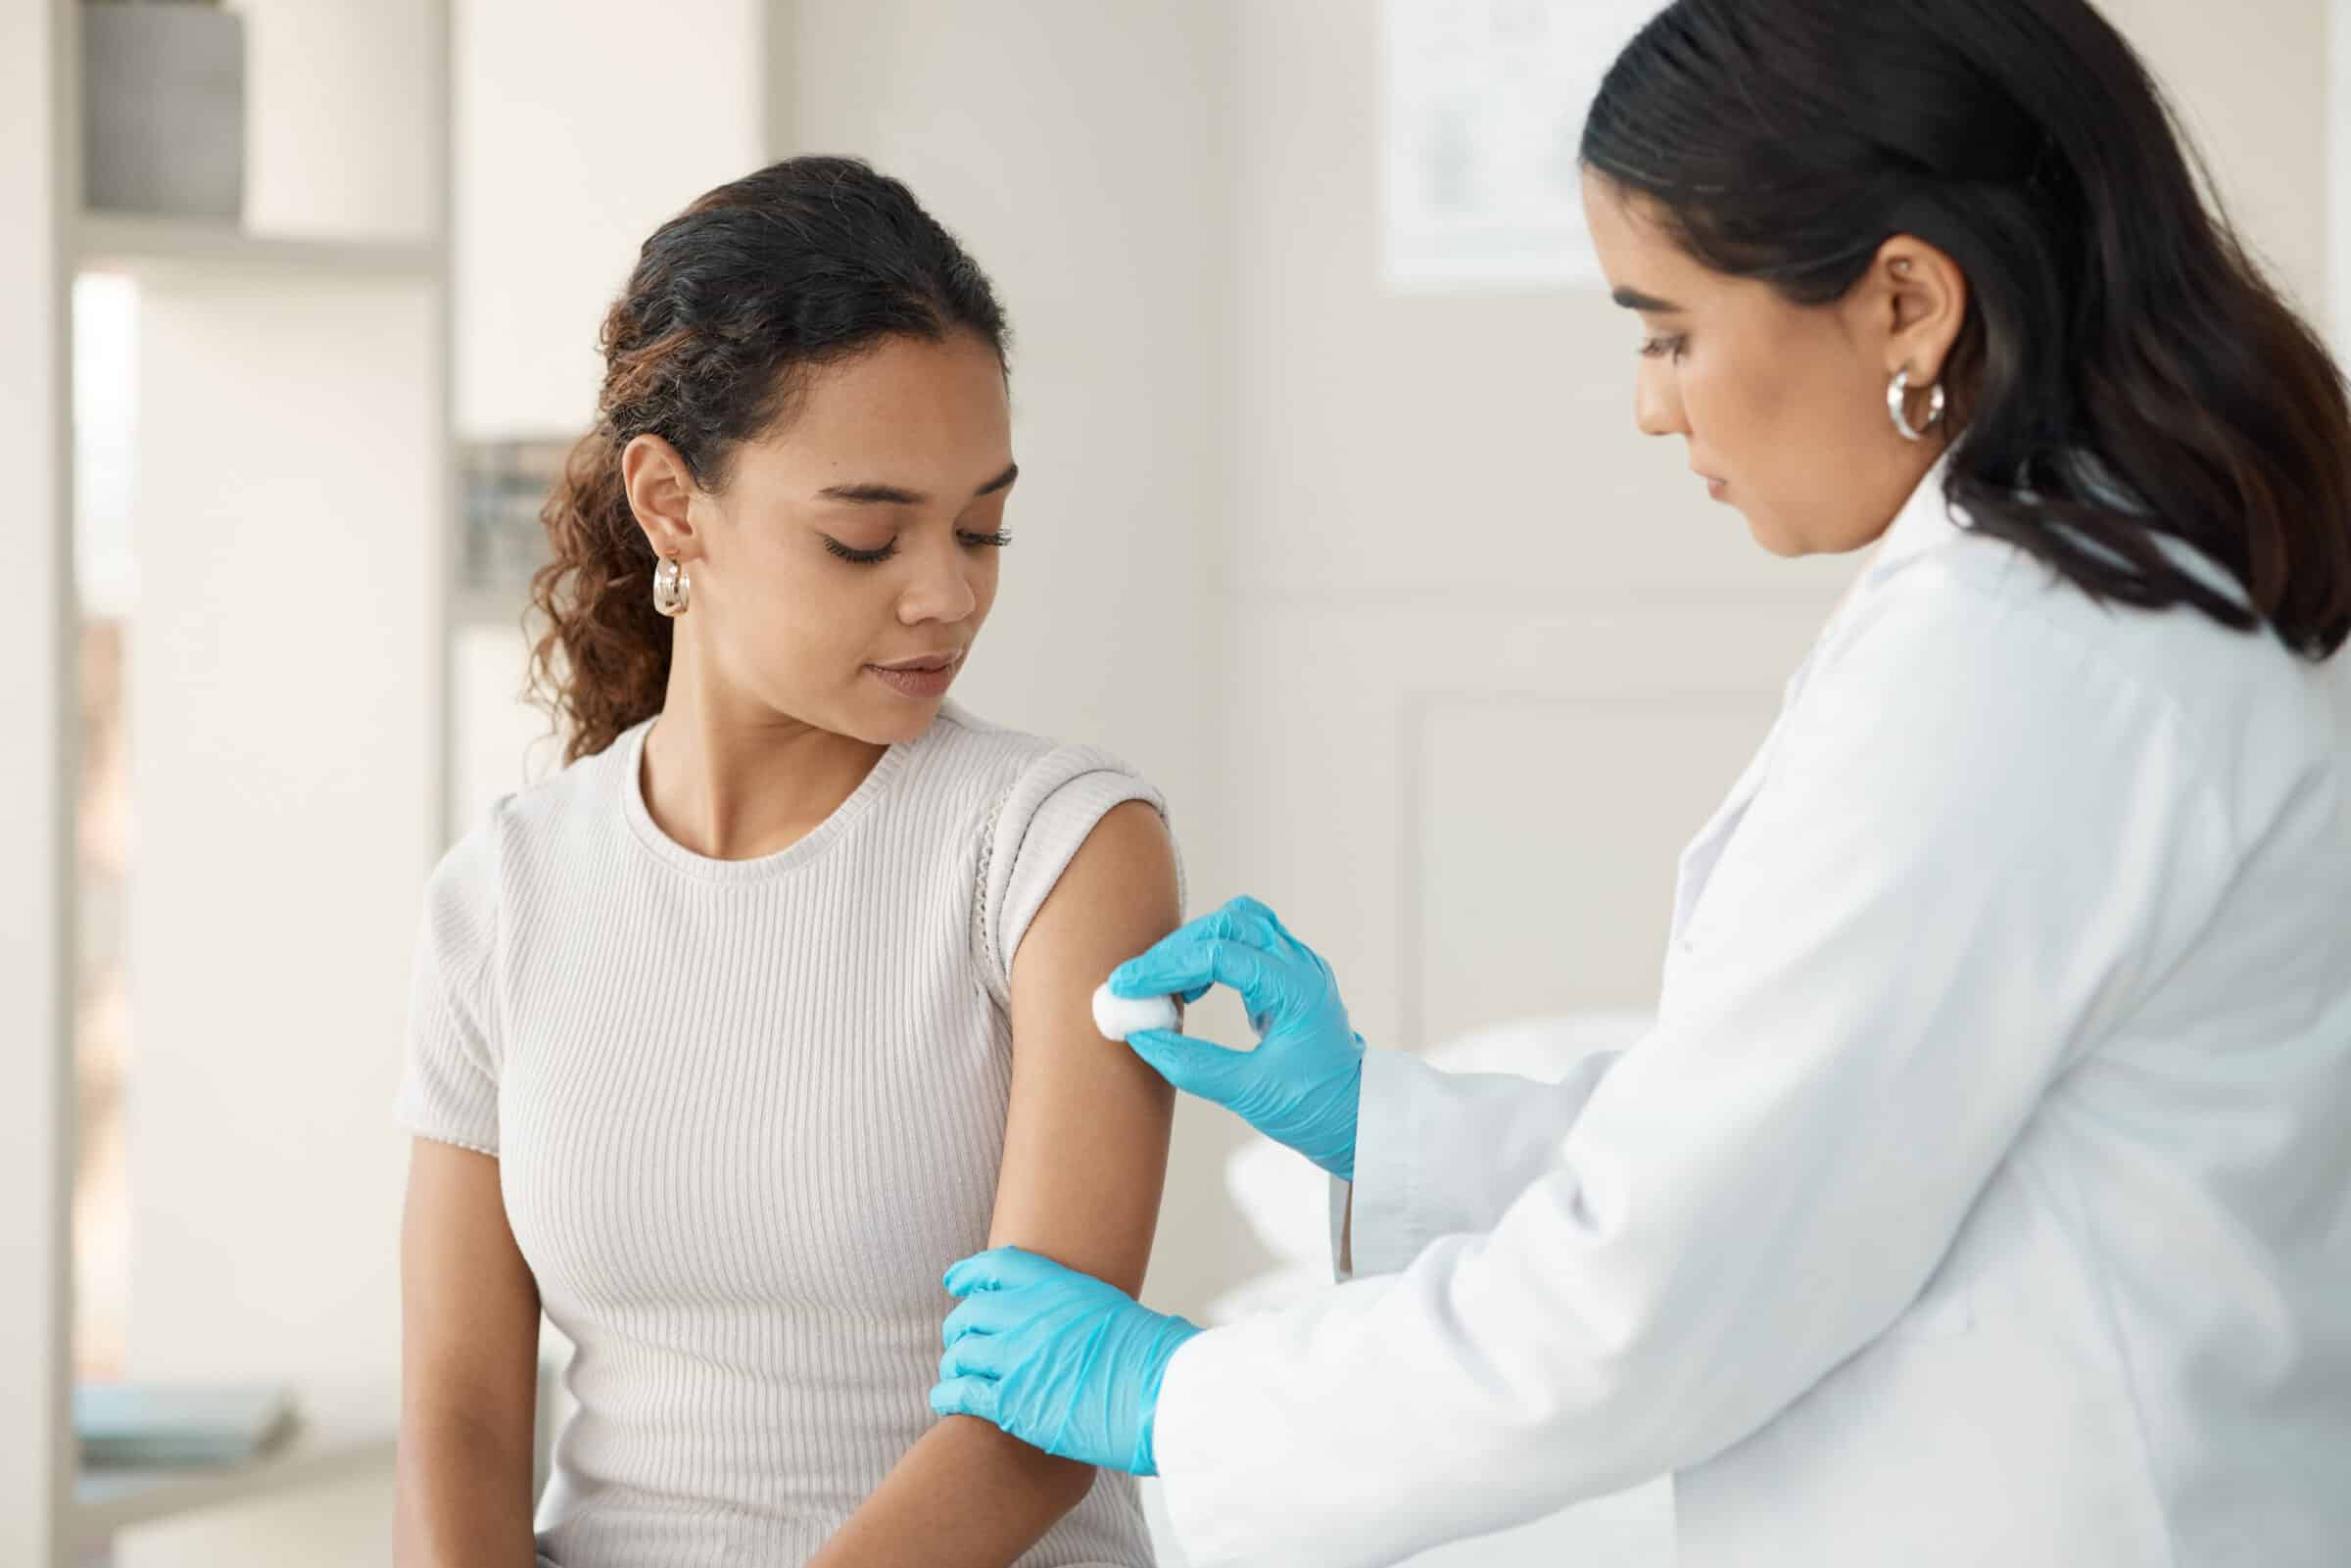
(1981, 845)
(1437, 1153)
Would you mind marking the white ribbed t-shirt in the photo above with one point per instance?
(745, 1114)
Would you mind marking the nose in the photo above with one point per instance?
(1657, 400)
(939, 587)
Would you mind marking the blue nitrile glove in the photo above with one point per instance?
(1057, 1358)
(1301, 1085)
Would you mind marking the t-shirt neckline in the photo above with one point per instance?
(820, 838)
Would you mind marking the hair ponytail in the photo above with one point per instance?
(602, 665)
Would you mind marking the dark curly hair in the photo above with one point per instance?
(2112, 313)
(805, 264)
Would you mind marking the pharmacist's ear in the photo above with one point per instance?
(661, 490)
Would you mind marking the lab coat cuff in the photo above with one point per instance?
(1392, 1219)
(1184, 1449)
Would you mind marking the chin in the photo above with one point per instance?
(896, 721)
(1784, 543)
(1769, 538)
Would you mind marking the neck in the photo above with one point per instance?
(731, 779)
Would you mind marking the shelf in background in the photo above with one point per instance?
(109, 1499)
(119, 242)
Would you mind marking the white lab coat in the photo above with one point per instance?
(1983, 1194)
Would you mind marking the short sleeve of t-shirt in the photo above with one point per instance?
(1048, 812)
(448, 1085)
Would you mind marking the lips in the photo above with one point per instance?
(923, 677)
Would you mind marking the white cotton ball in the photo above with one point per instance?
(1117, 1018)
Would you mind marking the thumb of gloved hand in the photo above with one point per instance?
(1198, 1068)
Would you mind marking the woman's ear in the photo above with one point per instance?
(1923, 305)
(661, 490)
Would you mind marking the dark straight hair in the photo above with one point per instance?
(2114, 315)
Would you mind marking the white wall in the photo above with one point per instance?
(580, 126)
(1518, 651)
(2338, 172)
(332, 143)
(2250, 78)
(38, 687)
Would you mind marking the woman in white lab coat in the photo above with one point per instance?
(1983, 1194)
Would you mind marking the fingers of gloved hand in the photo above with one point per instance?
(1199, 1067)
(966, 1395)
(999, 1269)
(1265, 981)
(1267, 931)
(1243, 921)
(986, 1312)
(1137, 980)
(980, 1356)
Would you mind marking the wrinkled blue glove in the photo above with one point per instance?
(1057, 1358)
(1301, 1086)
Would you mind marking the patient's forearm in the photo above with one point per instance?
(964, 1497)
(464, 1496)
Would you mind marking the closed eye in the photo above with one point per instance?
(875, 558)
(1663, 348)
(863, 558)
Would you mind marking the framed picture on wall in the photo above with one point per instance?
(1483, 113)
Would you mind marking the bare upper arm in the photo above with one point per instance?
(469, 1307)
(1086, 1142)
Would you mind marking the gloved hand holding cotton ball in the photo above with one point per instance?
(1118, 1017)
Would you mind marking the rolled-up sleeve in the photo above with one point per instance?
(449, 1088)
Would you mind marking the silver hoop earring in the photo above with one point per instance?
(1897, 404)
(672, 589)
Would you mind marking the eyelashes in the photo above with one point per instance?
(1663, 348)
(875, 558)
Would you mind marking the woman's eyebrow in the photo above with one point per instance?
(880, 495)
(1648, 304)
